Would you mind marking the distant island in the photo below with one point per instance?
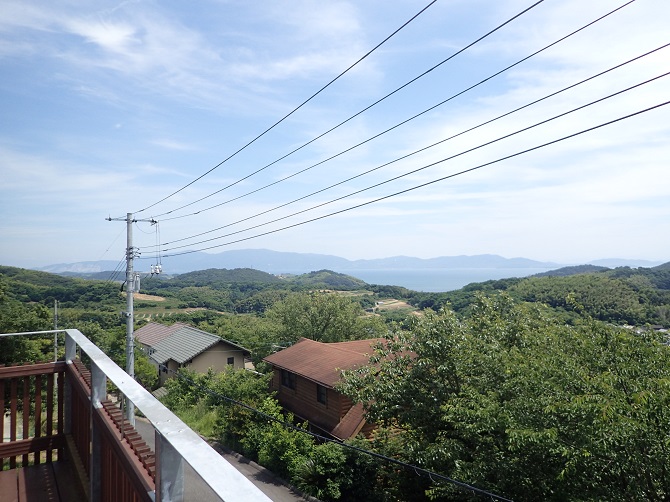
(278, 262)
(443, 273)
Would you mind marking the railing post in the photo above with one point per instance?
(169, 472)
(70, 354)
(98, 393)
(70, 348)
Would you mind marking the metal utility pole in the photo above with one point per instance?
(132, 286)
(130, 318)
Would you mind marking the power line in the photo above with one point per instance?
(522, 152)
(471, 44)
(292, 111)
(432, 164)
(405, 122)
(117, 270)
(110, 246)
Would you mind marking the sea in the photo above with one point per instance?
(440, 280)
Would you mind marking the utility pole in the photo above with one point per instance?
(132, 285)
(130, 318)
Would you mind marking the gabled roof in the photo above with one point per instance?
(185, 343)
(152, 333)
(322, 362)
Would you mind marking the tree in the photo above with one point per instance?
(278, 447)
(250, 331)
(323, 317)
(515, 402)
(16, 317)
(323, 472)
(601, 297)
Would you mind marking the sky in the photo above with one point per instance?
(189, 114)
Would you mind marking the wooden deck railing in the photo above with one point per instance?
(34, 396)
(126, 463)
(63, 410)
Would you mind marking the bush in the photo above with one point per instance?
(323, 473)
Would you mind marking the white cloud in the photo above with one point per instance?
(116, 105)
(114, 37)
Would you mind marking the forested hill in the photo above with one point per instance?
(214, 276)
(218, 289)
(622, 295)
(221, 278)
(30, 286)
(574, 270)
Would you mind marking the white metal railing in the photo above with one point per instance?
(176, 443)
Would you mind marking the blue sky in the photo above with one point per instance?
(109, 107)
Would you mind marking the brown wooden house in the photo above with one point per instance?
(304, 376)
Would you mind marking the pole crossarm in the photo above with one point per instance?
(134, 220)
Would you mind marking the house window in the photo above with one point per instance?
(321, 394)
(288, 379)
(231, 361)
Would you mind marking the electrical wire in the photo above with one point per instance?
(140, 229)
(402, 123)
(429, 165)
(110, 246)
(418, 470)
(471, 44)
(480, 166)
(292, 111)
(117, 270)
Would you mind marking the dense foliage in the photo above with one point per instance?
(237, 407)
(322, 317)
(521, 404)
(622, 296)
(26, 304)
(29, 286)
(17, 316)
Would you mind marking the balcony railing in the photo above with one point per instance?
(62, 410)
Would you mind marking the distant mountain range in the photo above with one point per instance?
(277, 262)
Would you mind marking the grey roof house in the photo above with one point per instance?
(182, 346)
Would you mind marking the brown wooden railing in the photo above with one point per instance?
(127, 464)
(34, 396)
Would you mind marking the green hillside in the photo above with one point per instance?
(327, 279)
(41, 287)
(622, 296)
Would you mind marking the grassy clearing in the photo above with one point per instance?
(148, 308)
(200, 418)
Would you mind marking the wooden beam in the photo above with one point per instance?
(32, 445)
(31, 369)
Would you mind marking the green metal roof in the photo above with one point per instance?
(185, 344)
